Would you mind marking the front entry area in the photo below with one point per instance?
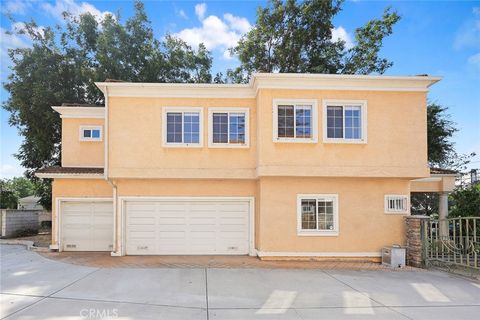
(86, 225)
(192, 226)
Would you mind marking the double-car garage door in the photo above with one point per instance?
(160, 226)
(187, 227)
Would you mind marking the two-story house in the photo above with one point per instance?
(289, 165)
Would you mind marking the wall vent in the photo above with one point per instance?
(71, 246)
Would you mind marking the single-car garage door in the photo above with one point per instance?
(187, 227)
(87, 225)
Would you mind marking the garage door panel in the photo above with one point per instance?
(190, 227)
(87, 225)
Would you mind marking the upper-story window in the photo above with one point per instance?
(182, 127)
(345, 121)
(295, 121)
(228, 127)
(90, 133)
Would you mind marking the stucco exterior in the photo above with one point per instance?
(137, 164)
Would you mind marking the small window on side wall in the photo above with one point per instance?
(396, 204)
(344, 121)
(90, 133)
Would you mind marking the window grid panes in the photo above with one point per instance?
(229, 127)
(191, 127)
(294, 121)
(303, 121)
(344, 122)
(90, 134)
(286, 124)
(174, 127)
(237, 128)
(317, 214)
(87, 133)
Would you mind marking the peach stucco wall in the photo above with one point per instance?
(363, 225)
(396, 147)
(135, 142)
(76, 153)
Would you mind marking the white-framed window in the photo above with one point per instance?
(396, 203)
(295, 121)
(317, 215)
(91, 133)
(345, 121)
(182, 127)
(228, 127)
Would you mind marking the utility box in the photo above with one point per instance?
(394, 256)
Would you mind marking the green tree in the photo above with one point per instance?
(64, 62)
(293, 36)
(8, 198)
(465, 202)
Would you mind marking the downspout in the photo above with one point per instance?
(115, 249)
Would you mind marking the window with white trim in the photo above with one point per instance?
(317, 214)
(345, 121)
(90, 133)
(228, 127)
(396, 203)
(295, 121)
(182, 127)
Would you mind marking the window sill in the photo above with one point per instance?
(294, 140)
(228, 146)
(317, 233)
(402, 213)
(181, 145)
(344, 141)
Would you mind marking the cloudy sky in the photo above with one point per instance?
(438, 38)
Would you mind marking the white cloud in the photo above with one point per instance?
(239, 24)
(214, 32)
(469, 34)
(16, 6)
(200, 10)
(182, 14)
(341, 34)
(475, 59)
(8, 171)
(74, 8)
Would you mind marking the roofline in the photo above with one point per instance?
(80, 112)
(269, 81)
(69, 175)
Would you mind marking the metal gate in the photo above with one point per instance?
(452, 243)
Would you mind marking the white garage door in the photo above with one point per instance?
(187, 227)
(87, 226)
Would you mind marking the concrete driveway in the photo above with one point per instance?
(34, 287)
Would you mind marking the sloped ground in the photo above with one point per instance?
(34, 287)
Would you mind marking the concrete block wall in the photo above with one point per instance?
(14, 221)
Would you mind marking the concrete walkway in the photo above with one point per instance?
(34, 287)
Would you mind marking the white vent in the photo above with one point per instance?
(396, 203)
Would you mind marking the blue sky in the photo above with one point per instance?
(440, 38)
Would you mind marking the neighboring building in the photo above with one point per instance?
(29, 203)
(289, 165)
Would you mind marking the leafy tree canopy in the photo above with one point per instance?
(465, 202)
(64, 62)
(296, 36)
(13, 189)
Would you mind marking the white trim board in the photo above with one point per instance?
(68, 176)
(80, 112)
(122, 225)
(317, 254)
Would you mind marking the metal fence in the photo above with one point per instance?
(454, 241)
